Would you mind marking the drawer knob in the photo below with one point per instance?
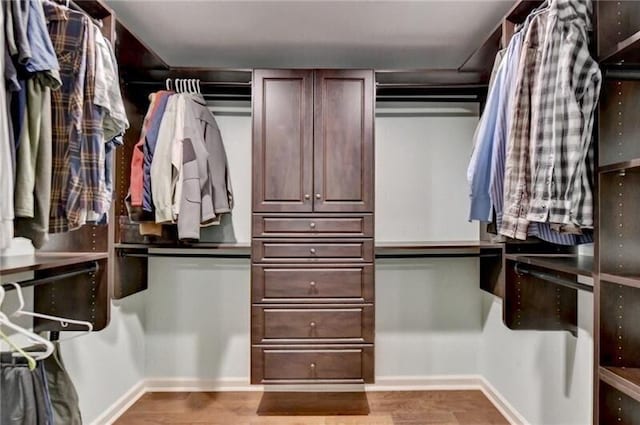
(318, 196)
(312, 366)
(312, 324)
(312, 284)
(312, 225)
(312, 250)
(307, 196)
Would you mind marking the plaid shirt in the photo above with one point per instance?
(517, 178)
(78, 148)
(565, 105)
(68, 35)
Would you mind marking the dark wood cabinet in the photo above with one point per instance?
(313, 227)
(313, 140)
(343, 141)
(282, 140)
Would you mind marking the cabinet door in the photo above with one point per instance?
(282, 140)
(343, 141)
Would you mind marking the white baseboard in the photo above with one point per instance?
(199, 385)
(426, 383)
(121, 405)
(385, 383)
(501, 403)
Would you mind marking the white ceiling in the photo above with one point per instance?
(312, 33)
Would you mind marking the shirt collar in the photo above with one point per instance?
(55, 12)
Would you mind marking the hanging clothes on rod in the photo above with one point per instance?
(179, 169)
(64, 116)
(531, 171)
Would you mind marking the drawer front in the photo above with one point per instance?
(273, 250)
(299, 365)
(274, 226)
(291, 283)
(353, 324)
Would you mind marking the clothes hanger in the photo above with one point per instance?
(31, 362)
(167, 84)
(198, 82)
(63, 321)
(4, 321)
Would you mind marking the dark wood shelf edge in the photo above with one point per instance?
(573, 264)
(45, 261)
(619, 166)
(616, 55)
(198, 246)
(633, 282)
(491, 43)
(625, 380)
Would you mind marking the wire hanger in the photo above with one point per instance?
(64, 322)
(4, 321)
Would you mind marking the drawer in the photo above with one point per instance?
(351, 324)
(357, 226)
(296, 283)
(295, 250)
(295, 365)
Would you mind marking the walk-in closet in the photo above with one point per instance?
(319, 212)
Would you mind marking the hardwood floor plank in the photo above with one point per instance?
(254, 408)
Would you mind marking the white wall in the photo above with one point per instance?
(546, 376)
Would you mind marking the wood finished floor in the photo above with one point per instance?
(385, 408)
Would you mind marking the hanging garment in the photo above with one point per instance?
(562, 124)
(161, 170)
(149, 148)
(64, 398)
(24, 399)
(542, 231)
(33, 180)
(20, 19)
(68, 31)
(6, 160)
(206, 123)
(517, 181)
(91, 185)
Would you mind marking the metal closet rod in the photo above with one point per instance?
(553, 279)
(622, 73)
(50, 279)
(202, 83)
(247, 256)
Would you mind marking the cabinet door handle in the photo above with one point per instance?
(318, 196)
(307, 196)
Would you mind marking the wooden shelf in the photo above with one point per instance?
(579, 265)
(627, 51)
(199, 245)
(626, 280)
(625, 380)
(44, 261)
(624, 165)
(434, 248)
